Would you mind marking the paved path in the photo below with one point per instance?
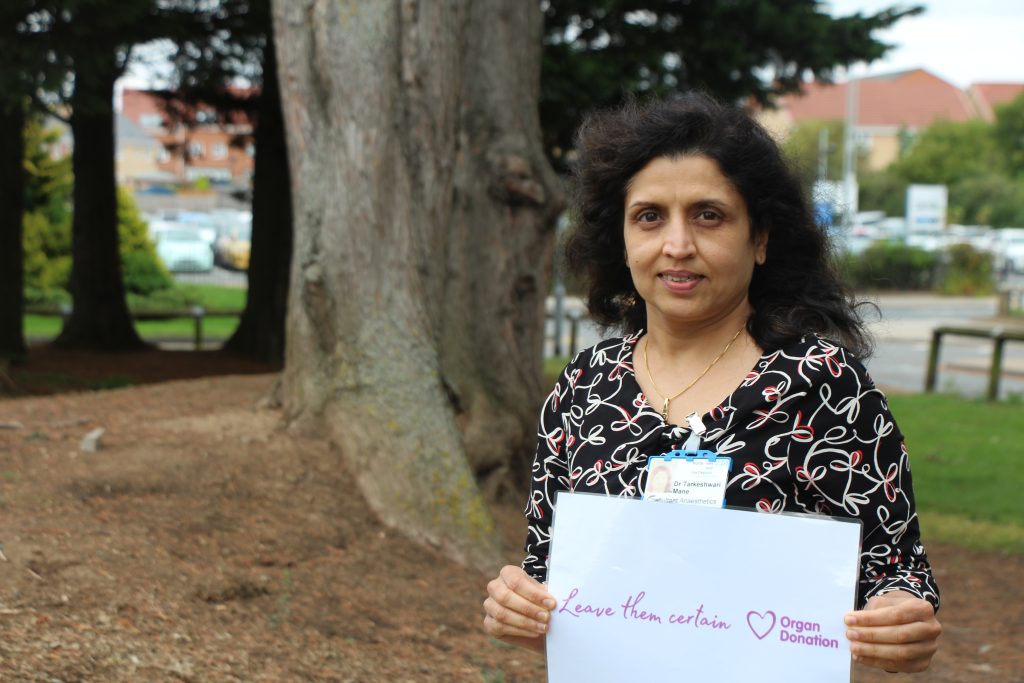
(902, 335)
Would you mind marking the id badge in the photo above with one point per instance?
(691, 477)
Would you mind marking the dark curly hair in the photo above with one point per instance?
(797, 291)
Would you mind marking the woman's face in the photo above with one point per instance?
(688, 242)
(659, 480)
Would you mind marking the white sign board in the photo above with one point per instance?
(926, 207)
(652, 591)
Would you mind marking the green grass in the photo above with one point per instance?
(966, 456)
(213, 327)
(182, 297)
(967, 461)
(968, 533)
(42, 326)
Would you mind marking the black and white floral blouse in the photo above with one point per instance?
(807, 431)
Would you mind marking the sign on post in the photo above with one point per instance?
(926, 207)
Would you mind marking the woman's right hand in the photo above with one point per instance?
(518, 608)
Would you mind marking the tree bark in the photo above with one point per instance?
(99, 319)
(261, 331)
(12, 203)
(391, 169)
(500, 242)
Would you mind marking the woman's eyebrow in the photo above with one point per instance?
(706, 201)
(643, 202)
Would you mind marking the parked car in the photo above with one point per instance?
(183, 250)
(201, 221)
(1009, 249)
(929, 240)
(981, 237)
(233, 246)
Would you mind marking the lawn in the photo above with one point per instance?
(967, 461)
(183, 298)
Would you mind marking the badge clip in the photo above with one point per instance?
(690, 456)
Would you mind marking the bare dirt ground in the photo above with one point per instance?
(204, 541)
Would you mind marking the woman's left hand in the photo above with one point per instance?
(896, 631)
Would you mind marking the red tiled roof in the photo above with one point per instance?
(914, 99)
(989, 95)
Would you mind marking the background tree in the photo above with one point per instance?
(237, 43)
(882, 190)
(261, 329)
(423, 214)
(1009, 135)
(91, 41)
(947, 152)
(596, 51)
(12, 122)
(989, 199)
(974, 159)
(17, 81)
(47, 214)
(801, 147)
(95, 40)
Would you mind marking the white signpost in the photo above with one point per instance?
(651, 591)
(926, 207)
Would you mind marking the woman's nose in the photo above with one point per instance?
(678, 242)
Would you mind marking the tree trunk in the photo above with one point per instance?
(380, 139)
(507, 199)
(99, 318)
(12, 203)
(261, 331)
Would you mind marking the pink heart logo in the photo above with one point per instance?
(761, 623)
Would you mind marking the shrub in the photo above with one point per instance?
(51, 298)
(143, 274)
(886, 265)
(47, 246)
(179, 296)
(966, 271)
(142, 270)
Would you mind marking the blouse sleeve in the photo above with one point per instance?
(850, 460)
(549, 473)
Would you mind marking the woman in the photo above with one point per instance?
(695, 240)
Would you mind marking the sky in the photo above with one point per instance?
(961, 41)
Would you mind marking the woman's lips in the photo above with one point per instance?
(680, 281)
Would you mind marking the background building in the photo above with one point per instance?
(193, 141)
(891, 109)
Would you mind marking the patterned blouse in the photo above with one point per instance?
(807, 431)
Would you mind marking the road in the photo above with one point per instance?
(902, 333)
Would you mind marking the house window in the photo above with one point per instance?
(163, 156)
(220, 150)
(250, 149)
(151, 121)
(195, 150)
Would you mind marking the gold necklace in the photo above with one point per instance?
(669, 399)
